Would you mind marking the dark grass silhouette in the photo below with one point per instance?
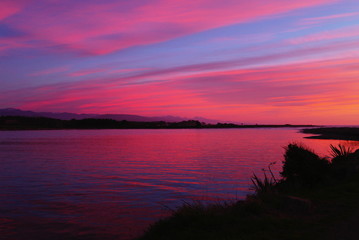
(301, 166)
(345, 161)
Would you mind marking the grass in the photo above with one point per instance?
(267, 185)
(275, 211)
(340, 151)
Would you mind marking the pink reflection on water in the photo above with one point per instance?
(106, 184)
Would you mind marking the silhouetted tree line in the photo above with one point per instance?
(18, 123)
(27, 123)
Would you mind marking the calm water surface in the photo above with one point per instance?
(111, 184)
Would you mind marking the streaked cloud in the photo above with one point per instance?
(335, 34)
(50, 71)
(100, 27)
(245, 61)
(316, 20)
(9, 8)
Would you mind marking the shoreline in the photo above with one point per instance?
(333, 133)
(16, 123)
(138, 128)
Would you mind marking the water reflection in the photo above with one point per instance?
(110, 184)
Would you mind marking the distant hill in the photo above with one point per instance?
(118, 117)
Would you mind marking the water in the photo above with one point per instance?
(111, 184)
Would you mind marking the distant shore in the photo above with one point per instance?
(43, 123)
(335, 133)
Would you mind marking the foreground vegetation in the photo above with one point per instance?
(316, 198)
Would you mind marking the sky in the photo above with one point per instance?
(258, 61)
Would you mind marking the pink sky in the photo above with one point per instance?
(246, 61)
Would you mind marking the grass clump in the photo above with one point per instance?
(340, 151)
(345, 162)
(302, 166)
(266, 185)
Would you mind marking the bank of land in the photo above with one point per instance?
(43, 123)
(340, 133)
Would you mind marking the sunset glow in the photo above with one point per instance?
(253, 61)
